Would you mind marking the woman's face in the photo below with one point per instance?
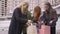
(25, 7)
(46, 7)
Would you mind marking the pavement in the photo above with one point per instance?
(4, 26)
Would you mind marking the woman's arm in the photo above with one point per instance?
(18, 16)
(55, 17)
(42, 18)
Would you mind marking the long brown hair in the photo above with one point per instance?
(52, 15)
(37, 12)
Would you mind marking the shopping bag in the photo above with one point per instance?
(45, 29)
(32, 29)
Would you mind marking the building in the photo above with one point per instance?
(11, 4)
(7, 6)
(3, 6)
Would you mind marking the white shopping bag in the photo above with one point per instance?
(32, 29)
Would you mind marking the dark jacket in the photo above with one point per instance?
(17, 22)
(46, 18)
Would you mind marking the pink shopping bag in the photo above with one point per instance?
(45, 29)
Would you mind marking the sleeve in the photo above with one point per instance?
(18, 17)
(29, 15)
(55, 18)
(42, 17)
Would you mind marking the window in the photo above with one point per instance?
(2, 9)
(2, 1)
(2, 12)
(5, 6)
(2, 5)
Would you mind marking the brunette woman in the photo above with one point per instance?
(50, 17)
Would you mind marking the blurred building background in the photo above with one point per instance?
(7, 6)
(3, 7)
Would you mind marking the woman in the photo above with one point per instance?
(50, 17)
(37, 13)
(19, 19)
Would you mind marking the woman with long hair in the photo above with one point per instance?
(21, 17)
(50, 17)
(37, 13)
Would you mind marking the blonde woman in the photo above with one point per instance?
(21, 16)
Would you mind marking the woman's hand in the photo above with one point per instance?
(51, 22)
(29, 22)
(42, 23)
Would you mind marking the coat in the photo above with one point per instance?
(46, 18)
(18, 21)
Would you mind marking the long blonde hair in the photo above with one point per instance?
(21, 5)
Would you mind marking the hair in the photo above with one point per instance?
(48, 4)
(23, 4)
(37, 12)
(50, 9)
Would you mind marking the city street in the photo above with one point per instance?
(7, 7)
(5, 24)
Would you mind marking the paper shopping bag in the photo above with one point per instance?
(45, 29)
(32, 29)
